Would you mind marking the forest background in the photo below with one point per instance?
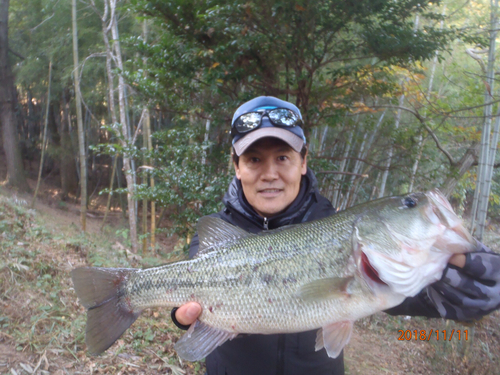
(134, 98)
(124, 107)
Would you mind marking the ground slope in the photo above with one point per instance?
(42, 325)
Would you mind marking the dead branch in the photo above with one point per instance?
(347, 173)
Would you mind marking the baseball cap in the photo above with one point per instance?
(292, 135)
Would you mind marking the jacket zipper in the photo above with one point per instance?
(266, 223)
(280, 368)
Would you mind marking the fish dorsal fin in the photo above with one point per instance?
(214, 232)
(334, 337)
(332, 287)
(200, 340)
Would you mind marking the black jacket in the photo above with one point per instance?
(290, 354)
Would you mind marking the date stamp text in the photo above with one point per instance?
(443, 335)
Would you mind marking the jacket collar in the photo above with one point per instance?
(235, 201)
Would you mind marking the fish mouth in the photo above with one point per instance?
(419, 261)
(455, 239)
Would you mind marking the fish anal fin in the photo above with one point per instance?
(213, 232)
(109, 313)
(334, 337)
(200, 340)
(332, 287)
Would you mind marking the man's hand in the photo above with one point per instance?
(470, 286)
(188, 313)
(458, 260)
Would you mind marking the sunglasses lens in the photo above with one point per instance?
(247, 122)
(283, 117)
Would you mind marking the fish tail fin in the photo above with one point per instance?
(102, 292)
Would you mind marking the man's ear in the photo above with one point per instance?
(237, 171)
(304, 164)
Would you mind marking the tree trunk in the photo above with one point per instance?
(44, 140)
(484, 184)
(15, 169)
(69, 180)
(145, 138)
(366, 145)
(152, 184)
(391, 149)
(337, 194)
(125, 133)
(106, 25)
(462, 166)
(81, 135)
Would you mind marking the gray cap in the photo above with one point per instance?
(293, 136)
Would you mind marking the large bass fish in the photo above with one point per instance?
(320, 275)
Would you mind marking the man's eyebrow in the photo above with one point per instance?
(257, 151)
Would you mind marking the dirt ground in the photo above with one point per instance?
(42, 324)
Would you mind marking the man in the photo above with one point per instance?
(273, 187)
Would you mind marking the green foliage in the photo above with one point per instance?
(337, 60)
(191, 177)
(213, 55)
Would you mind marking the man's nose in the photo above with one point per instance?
(270, 171)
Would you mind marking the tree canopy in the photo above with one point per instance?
(324, 56)
(392, 93)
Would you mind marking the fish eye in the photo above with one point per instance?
(409, 202)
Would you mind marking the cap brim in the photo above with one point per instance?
(293, 140)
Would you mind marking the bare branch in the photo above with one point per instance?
(438, 144)
(423, 121)
(138, 126)
(338, 172)
(349, 158)
(41, 23)
(17, 54)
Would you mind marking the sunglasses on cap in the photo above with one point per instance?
(281, 117)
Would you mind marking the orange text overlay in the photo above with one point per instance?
(423, 335)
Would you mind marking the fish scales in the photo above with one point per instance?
(239, 295)
(322, 274)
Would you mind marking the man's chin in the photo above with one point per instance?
(269, 211)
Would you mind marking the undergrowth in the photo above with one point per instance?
(42, 326)
(40, 317)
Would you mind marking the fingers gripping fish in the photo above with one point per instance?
(321, 275)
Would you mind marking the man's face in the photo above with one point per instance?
(270, 172)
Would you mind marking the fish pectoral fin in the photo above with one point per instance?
(200, 340)
(332, 287)
(214, 232)
(334, 337)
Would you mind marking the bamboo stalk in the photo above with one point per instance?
(337, 194)
(127, 160)
(152, 185)
(145, 181)
(108, 204)
(421, 140)
(149, 146)
(391, 148)
(487, 150)
(44, 139)
(81, 135)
